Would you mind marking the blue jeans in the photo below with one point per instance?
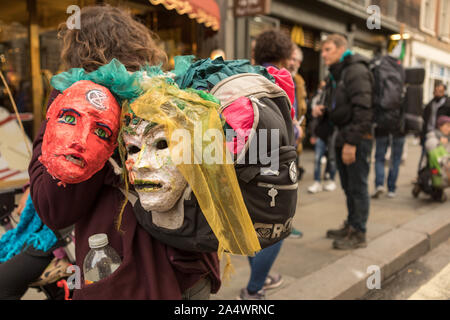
(382, 144)
(320, 149)
(354, 182)
(260, 266)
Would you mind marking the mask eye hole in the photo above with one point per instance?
(133, 149)
(161, 144)
(101, 133)
(69, 119)
(68, 116)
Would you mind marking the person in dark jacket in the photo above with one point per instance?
(149, 268)
(393, 137)
(438, 106)
(348, 106)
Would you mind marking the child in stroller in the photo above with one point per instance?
(434, 177)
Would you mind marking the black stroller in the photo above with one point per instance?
(424, 184)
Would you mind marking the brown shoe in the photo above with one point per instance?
(338, 233)
(354, 239)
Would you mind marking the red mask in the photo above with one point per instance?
(81, 133)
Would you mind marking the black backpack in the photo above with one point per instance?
(270, 194)
(388, 92)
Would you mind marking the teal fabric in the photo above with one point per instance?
(348, 52)
(29, 232)
(114, 76)
(206, 73)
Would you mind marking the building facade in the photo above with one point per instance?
(429, 44)
(309, 21)
(370, 26)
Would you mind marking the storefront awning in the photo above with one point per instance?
(203, 11)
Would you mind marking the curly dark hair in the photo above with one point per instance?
(108, 32)
(272, 46)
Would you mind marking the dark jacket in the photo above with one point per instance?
(149, 269)
(444, 110)
(348, 101)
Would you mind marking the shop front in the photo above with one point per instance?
(436, 63)
(308, 22)
(30, 48)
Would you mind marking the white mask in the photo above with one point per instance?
(156, 179)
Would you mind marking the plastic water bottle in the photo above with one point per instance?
(101, 261)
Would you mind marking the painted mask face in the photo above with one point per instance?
(81, 134)
(156, 179)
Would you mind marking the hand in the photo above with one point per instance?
(318, 110)
(300, 133)
(22, 202)
(348, 154)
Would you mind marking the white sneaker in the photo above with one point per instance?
(378, 192)
(330, 186)
(391, 194)
(316, 187)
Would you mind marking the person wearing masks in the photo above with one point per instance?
(93, 202)
(348, 106)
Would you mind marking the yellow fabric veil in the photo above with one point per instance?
(195, 137)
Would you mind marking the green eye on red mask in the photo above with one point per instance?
(103, 131)
(68, 116)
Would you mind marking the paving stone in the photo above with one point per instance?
(435, 224)
(343, 279)
(394, 250)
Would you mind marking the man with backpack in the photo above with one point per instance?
(389, 77)
(348, 105)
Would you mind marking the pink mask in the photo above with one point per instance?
(81, 134)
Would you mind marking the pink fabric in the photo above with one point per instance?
(284, 80)
(59, 253)
(239, 116)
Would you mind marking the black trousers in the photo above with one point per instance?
(354, 182)
(17, 273)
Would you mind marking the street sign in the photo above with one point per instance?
(243, 8)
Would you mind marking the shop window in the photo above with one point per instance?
(14, 59)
